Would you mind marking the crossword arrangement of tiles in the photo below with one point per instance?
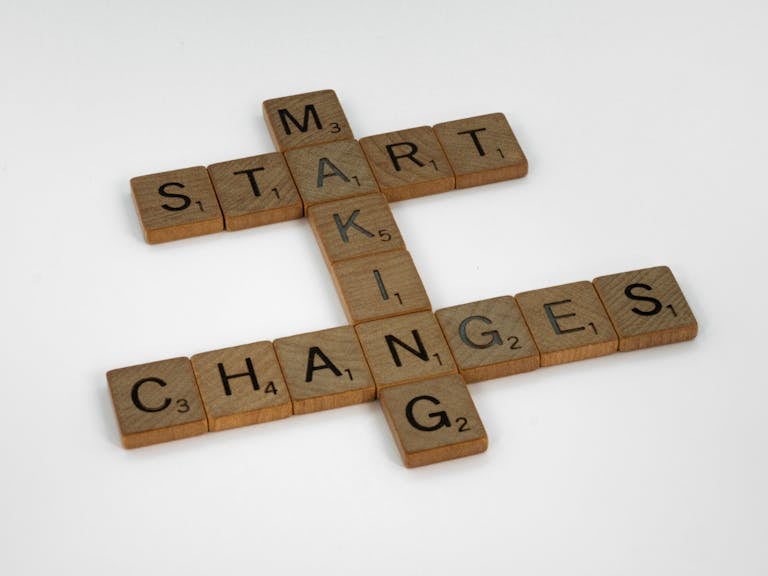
(416, 362)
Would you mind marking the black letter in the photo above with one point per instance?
(308, 109)
(442, 415)
(315, 351)
(410, 155)
(553, 319)
(350, 222)
(251, 179)
(137, 401)
(321, 175)
(225, 378)
(185, 202)
(420, 353)
(473, 133)
(656, 304)
(494, 334)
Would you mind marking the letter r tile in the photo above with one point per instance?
(156, 402)
(647, 308)
(242, 385)
(568, 323)
(433, 420)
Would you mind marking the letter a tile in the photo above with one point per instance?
(325, 369)
(156, 402)
(647, 308)
(242, 385)
(433, 420)
(568, 323)
(306, 119)
(176, 204)
(482, 150)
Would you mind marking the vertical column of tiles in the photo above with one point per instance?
(647, 308)
(489, 339)
(405, 349)
(325, 370)
(568, 323)
(330, 172)
(433, 420)
(255, 191)
(482, 150)
(156, 402)
(176, 204)
(241, 385)
(306, 119)
(408, 163)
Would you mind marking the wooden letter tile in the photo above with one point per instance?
(325, 369)
(482, 150)
(408, 163)
(433, 421)
(176, 204)
(156, 402)
(255, 191)
(405, 349)
(355, 227)
(647, 308)
(568, 323)
(489, 339)
(379, 286)
(331, 172)
(306, 119)
(241, 385)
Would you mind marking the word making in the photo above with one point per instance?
(416, 362)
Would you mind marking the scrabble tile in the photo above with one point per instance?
(331, 172)
(241, 385)
(482, 150)
(568, 323)
(408, 163)
(405, 349)
(355, 227)
(255, 191)
(433, 420)
(647, 308)
(379, 286)
(306, 119)
(489, 339)
(325, 370)
(176, 204)
(156, 402)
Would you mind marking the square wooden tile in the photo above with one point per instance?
(156, 402)
(176, 204)
(379, 286)
(325, 370)
(255, 191)
(331, 172)
(433, 421)
(408, 163)
(489, 339)
(241, 385)
(355, 227)
(647, 308)
(568, 323)
(405, 349)
(306, 119)
(482, 150)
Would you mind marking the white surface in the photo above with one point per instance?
(645, 127)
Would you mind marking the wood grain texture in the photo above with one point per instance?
(433, 421)
(355, 227)
(156, 402)
(482, 150)
(241, 385)
(568, 323)
(408, 163)
(176, 204)
(255, 191)
(647, 308)
(325, 370)
(489, 339)
(379, 286)
(405, 349)
(306, 119)
(331, 172)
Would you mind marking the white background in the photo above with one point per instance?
(645, 127)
